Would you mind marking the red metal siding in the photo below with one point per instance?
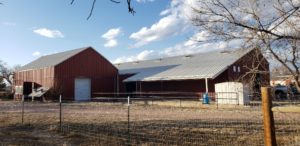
(180, 85)
(86, 64)
(174, 86)
(122, 86)
(252, 63)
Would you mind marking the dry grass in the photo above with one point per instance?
(107, 124)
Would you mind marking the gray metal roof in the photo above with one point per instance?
(195, 66)
(51, 60)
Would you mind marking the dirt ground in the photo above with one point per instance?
(97, 123)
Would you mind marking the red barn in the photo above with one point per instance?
(77, 74)
(74, 74)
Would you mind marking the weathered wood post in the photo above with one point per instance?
(32, 89)
(60, 114)
(23, 98)
(268, 119)
(128, 118)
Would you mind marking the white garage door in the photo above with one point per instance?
(82, 89)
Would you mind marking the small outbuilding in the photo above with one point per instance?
(74, 74)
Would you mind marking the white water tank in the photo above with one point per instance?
(231, 93)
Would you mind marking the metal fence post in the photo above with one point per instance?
(216, 99)
(179, 102)
(23, 109)
(268, 119)
(60, 112)
(238, 98)
(128, 118)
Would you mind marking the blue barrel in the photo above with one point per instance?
(205, 99)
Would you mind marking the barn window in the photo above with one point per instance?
(239, 69)
(234, 68)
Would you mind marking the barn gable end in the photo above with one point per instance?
(59, 72)
(87, 64)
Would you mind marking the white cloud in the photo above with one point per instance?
(49, 33)
(165, 12)
(36, 54)
(190, 46)
(111, 43)
(112, 33)
(9, 24)
(144, 55)
(110, 37)
(175, 21)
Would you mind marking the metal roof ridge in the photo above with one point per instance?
(83, 49)
(190, 55)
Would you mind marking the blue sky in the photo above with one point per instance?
(160, 28)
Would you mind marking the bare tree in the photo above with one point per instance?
(130, 8)
(254, 71)
(6, 73)
(271, 25)
(2, 84)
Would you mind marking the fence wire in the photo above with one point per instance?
(144, 122)
(287, 124)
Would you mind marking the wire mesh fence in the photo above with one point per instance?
(287, 128)
(157, 125)
(287, 120)
(160, 120)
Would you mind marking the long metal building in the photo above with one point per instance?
(78, 74)
(196, 72)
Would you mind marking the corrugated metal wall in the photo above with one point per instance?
(43, 76)
(87, 64)
(179, 85)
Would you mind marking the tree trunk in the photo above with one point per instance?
(297, 83)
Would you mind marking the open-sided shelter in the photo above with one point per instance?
(196, 72)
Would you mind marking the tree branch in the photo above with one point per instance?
(278, 32)
(115, 1)
(92, 9)
(231, 15)
(285, 18)
(294, 59)
(130, 8)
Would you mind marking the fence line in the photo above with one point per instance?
(128, 122)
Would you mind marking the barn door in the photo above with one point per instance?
(82, 89)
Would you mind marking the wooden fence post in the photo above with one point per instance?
(128, 118)
(23, 98)
(268, 119)
(60, 114)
